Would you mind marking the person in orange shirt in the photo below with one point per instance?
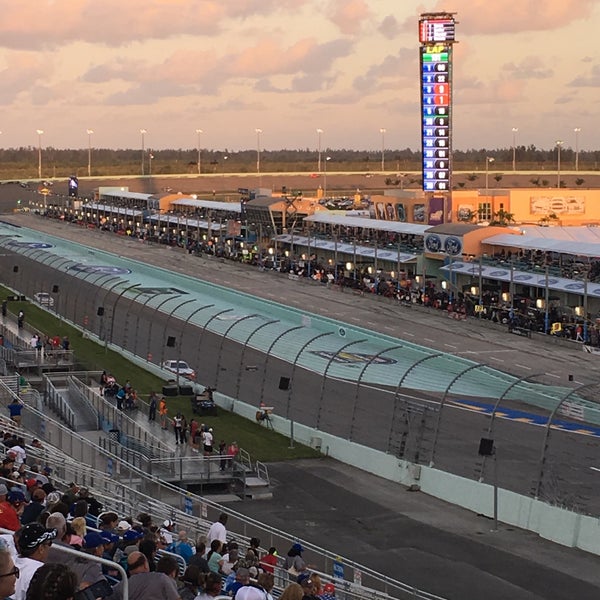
(163, 411)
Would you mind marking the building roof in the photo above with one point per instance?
(210, 204)
(262, 201)
(454, 228)
(577, 241)
(366, 223)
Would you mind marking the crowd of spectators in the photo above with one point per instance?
(44, 518)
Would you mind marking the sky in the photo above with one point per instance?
(290, 67)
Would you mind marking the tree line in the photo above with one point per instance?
(22, 162)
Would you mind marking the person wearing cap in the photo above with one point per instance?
(131, 540)
(328, 592)
(308, 586)
(269, 561)
(33, 544)
(11, 509)
(166, 531)
(294, 563)
(208, 442)
(91, 572)
(252, 591)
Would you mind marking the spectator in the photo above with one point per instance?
(307, 584)
(213, 586)
(177, 427)
(152, 403)
(169, 566)
(208, 442)
(11, 508)
(93, 544)
(166, 531)
(20, 319)
(267, 582)
(269, 561)
(198, 558)
(190, 584)
(328, 592)
(52, 582)
(181, 547)
(33, 510)
(218, 530)
(33, 544)
(294, 563)
(149, 548)
(242, 578)
(163, 411)
(144, 585)
(214, 556)
(8, 572)
(293, 591)
(94, 506)
(15, 408)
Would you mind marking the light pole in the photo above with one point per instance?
(199, 132)
(224, 163)
(514, 148)
(488, 160)
(327, 159)
(90, 132)
(319, 133)
(577, 130)
(150, 157)
(382, 132)
(143, 132)
(40, 132)
(559, 143)
(258, 132)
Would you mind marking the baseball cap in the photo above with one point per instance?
(31, 483)
(15, 496)
(93, 539)
(3, 489)
(304, 578)
(168, 523)
(109, 538)
(298, 547)
(33, 535)
(329, 588)
(123, 526)
(132, 535)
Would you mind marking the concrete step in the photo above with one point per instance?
(265, 494)
(256, 482)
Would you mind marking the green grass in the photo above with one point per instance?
(262, 444)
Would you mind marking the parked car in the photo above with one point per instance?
(181, 367)
(44, 299)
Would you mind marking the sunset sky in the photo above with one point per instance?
(288, 67)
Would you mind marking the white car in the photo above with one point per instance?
(44, 299)
(181, 367)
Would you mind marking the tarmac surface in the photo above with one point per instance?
(406, 535)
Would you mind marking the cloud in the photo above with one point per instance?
(46, 24)
(591, 79)
(481, 17)
(389, 27)
(403, 64)
(531, 67)
(349, 15)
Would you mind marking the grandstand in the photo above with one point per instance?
(129, 478)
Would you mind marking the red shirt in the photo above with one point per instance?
(268, 563)
(8, 517)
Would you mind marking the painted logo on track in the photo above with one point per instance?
(106, 269)
(29, 244)
(354, 358)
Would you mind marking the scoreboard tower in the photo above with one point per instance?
(436, 37)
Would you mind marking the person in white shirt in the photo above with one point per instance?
(33, 544)
(218, 530)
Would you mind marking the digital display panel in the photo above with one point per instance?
(434, 30)
(436, 96)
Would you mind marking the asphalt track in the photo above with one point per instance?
(407, 536)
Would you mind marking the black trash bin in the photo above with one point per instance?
(115, 435)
